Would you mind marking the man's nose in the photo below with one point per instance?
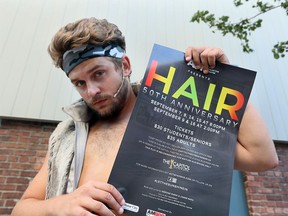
(92, 90)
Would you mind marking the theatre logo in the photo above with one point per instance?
(175, 165)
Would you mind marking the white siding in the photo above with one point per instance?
(30, 86)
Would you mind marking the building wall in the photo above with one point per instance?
(22, 150)
(31, 87)
(267, 192)
(23, 146)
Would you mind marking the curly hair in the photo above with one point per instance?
(87, 30)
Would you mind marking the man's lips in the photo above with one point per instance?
(99, 101)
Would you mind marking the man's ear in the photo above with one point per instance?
(126, 66)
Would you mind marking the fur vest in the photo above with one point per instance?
(66, 150)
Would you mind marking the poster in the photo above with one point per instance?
(177, 154)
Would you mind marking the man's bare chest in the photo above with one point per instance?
(101, 150)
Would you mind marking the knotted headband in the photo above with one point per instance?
(75, 56)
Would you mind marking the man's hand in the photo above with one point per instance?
(92, 198)
(205, 57)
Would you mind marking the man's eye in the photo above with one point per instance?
(99, 73)
(79, 83)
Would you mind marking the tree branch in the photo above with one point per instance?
(272, 8)
(242, 29)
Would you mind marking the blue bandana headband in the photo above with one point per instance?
(75, 56)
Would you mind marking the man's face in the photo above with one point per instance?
(97, 80)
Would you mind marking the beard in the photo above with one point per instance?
(112, 110)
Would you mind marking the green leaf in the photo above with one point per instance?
(276, 56)
(245, 27)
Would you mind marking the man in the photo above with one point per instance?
(73, 179)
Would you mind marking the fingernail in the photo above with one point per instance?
(122, 202)
(121, 210)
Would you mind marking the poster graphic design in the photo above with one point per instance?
(177, 154)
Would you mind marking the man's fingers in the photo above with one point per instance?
(205, 57)
(109, 195)
(208, 59)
